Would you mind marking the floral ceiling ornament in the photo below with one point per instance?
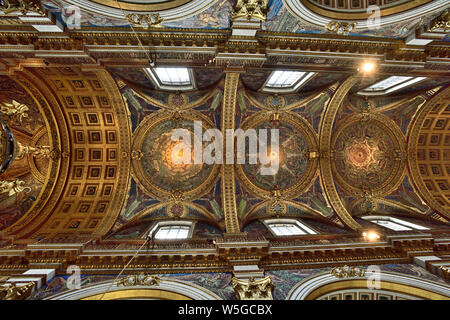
(250, 9)
(23, 6)
(139, 280)
(144, 20)
(340, 27)
(441, 22)
(252, 289)
(347, 272)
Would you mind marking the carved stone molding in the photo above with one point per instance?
(252, 289)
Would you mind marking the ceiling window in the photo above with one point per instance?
(172, 232)
(171, 78)
(288, 228)
(394, 223)
(390, 84)
(286, 81)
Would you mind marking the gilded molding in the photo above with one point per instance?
(325, 134)
(228, 170)
(22, 6)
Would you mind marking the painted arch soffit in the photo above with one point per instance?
(322, 16)
(167, 10)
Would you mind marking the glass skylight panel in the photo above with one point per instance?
(172, 232)
(284, 79)
(408, 224)
(391, 225)
(387, 83)
(286, 229)
(173, 76)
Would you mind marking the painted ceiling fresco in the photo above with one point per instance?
(370, 176)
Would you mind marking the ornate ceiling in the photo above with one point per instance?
(93, 155)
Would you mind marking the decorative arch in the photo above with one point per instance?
(324, 283)
(317, 15)
(168, 10)
(166, 289)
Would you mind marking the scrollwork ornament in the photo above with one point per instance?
(14, 292)
(347, 272)
(250, 9)
(22, 6)
(144, 20)
(139, 280)
(441, 22)
(340, 27)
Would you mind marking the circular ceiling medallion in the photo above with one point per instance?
(368, 155)
(157, 161)
(297, 156)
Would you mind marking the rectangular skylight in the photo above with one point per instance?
(387, 83)
(172, 232)
(391, 225)
(284, 79)
(391, 84)
(286, 229)
(173, 76)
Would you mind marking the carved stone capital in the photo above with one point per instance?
(252, 289)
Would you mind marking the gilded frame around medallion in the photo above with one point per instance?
(397, 138)
(138, 173)
(311, 171)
